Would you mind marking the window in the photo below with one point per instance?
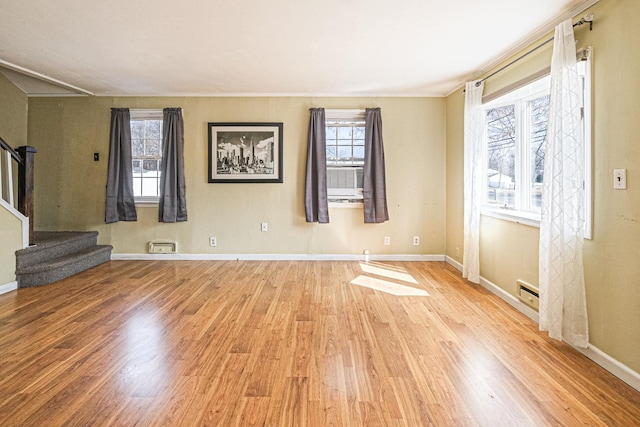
(515, 133)
(345, 155)
(146, 150)
(516, 127)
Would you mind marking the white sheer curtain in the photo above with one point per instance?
(563, 309)
(473, 179)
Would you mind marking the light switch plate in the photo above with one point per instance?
(620, 179)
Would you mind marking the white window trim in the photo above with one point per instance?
(532, 218)
(350, 114)
(146, 114)
(522, 197)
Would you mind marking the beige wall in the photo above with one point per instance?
(13, 113)
(70, 186)
(11, 238)
(612, 267)
(13, 129)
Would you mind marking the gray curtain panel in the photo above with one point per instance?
(173, 198)
(120, 204)
(375, 186)
(316, 205)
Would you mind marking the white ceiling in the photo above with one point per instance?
(276, 47)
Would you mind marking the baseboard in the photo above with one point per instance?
(509, 299)
(620, 370)
(11, 286)
(500, 293)
(612, 365)
(277, 257)
(454, 263)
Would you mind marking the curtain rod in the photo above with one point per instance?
(587, 18)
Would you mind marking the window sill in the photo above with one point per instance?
(346, 205)
(150, 202)
(526, 218)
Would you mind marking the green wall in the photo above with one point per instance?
(612, 271)
(70, 186)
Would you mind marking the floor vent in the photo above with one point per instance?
(528, 294)
(163, 247)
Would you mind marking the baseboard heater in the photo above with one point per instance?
(528, 294)
(163, 247)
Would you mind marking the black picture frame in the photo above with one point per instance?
(245, 153)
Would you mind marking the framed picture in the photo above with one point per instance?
(245, 152)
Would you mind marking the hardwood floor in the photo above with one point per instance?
(190, 343)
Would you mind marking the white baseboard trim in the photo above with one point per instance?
(612, 365)
(11, 286)
(501, 293)
(453, 262)
(509, 299)
(276, 257)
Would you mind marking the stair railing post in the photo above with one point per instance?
(25, 185)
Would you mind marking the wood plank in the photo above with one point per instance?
(287, 343)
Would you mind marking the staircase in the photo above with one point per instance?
(57, 255)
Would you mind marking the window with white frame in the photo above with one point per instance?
(516, 127)
(345, 155)
(146, 150)
(515, 133)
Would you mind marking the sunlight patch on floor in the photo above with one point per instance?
(385, 271)
(388, 287)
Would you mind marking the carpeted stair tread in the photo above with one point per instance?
(65, 259)
(62, 267)
(56, 255)
(54, 244)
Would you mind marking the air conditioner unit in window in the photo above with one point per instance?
(344, 183)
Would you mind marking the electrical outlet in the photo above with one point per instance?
(265, 227)
(416, 240)
(213, 242)
(387, 240)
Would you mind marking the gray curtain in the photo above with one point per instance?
(173, 199)
(120, 204)
(375, 187)
(316, 205)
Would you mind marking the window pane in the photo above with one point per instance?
(358, 133)
(137, 187)
(137, 129)
(137, 147)
(150, 187)
(344, 153)
(539, 109)
(149, 166)
(137, 167)
(358, 142)
(152, 147)
(153, 129)
(358, 153)
(330, 132)
(331, 152)
(344, 133)
(501, 155)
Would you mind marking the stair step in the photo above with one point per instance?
(54, 244)
(62, 267)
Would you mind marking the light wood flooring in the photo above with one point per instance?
(204, 343)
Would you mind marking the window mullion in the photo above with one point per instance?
(518, 157)
(525, 158)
